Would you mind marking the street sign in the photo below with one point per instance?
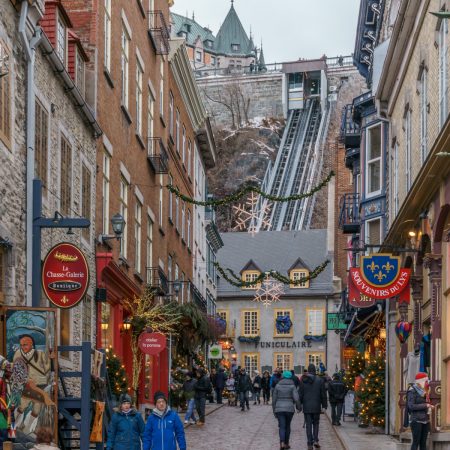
(215, 352)
(335, 322)
(65, 275)
(152, 343)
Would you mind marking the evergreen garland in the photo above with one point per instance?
(117, 376)
(246, 190)
(235, 280)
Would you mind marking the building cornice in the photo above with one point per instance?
(401, 47)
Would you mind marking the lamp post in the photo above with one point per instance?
(118, 226)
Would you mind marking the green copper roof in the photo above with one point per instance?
(192, 29)
(232, 38)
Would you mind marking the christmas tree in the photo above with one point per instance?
(117, 376)
(356, 367)
(371, 394)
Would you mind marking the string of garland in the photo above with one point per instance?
(234, 280)
(246, 190)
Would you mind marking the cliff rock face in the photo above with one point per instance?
(243, 155)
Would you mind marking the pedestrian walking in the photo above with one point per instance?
(189, 392)
(275, 378)
(295, 379)
(126, 428)
(265, 386)
(419, 409)
(220, 380)
(336, 397)
(44, 438)
(212, 378)
(202, 389)
(284, 401)
(313, 398)
(244, 386)
(164, 428)
(257, 387)
(231, 390)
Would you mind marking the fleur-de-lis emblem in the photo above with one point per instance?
(373, 267)
(380, 275)
(388, 267)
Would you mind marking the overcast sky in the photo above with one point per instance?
(290, 29)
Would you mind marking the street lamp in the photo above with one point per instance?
(118, 225)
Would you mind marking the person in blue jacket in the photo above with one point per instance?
(126, 428)
(164, 428)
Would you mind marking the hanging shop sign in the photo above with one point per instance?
(65, 275)
(152, 343)
(335, 321)
(380, 276)
(349, 352)
(215, 352)
(356, 299)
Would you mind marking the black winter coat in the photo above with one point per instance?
(336, 391)
(220, 379)
(265, 383)
(203, 387)
(244, 383)
(313, 396)
(417, 406)
(257, 380)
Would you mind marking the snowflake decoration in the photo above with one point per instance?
(269, 292)
(251, 218)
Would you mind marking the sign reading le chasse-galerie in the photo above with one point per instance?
(65, 275)
(380, 277)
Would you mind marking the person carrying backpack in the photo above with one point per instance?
(336, 397)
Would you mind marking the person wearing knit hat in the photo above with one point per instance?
(418, 411)
(164, 428)
(126, 427)
(257, 381)
(285, 398)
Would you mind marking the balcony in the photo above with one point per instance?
(349, 217)
(350, 130)
(158, 32)
(198, 298)
(157, 281)
(157, 155)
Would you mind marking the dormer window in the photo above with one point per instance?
(198, 56)
(182, 34)
(235, 47)
(296, 275)
(188, 27)
(79, 72)
(208, 43)
(248, 276)
(61, 42)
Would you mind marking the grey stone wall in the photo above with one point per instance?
(225, 95)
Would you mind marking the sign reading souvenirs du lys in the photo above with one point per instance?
(379, 277)
(65, 275)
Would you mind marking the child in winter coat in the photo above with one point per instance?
(126, 427)
(164, 428)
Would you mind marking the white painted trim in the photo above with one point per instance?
(91, 167)
(125, 173)
(151, 214)
(139, 195)
(152, 89)
(140, 59)
(125, 22)
(161, 263)
(107, 144)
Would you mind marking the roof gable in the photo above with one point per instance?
(184, 26)
(251, 265)
(299, 264)
(232, 33)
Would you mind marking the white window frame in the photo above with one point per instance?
(123, 198)
(250, 361)
(170, 199)
(171, 106)
(374, 161)
(408, 149)
(183, 147)
(177, 142)
(366, 229)
(395, 179)
(139, 90)
(61, 39)
(80, 76)
(107, 35)
(138, 236)
(161, 89)
(250, 322)
(189, 157)
(189, 228)
(443, 80)
(183, 220)
(198, 56)
(177, 212)
(424, 115)
(150, 122)
(149, 243)
(161, 199)
(313, 317)
(125, 64)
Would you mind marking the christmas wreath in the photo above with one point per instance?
(283, 324)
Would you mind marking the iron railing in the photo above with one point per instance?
(157, 155)
(349, 217)
(198, 298)
(159, 32)
(350, 130)
(157, 280)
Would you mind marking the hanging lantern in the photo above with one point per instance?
(403, 330)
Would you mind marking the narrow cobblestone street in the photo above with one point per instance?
(229, 429)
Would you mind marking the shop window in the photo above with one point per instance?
(107, 325)
(297, 275)
(283, 360)
(250, 361)
(148, 377)
(315, 321)
(314, 358)
(373, 161)
(248, 276)
(283, 313)
(250, 323)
